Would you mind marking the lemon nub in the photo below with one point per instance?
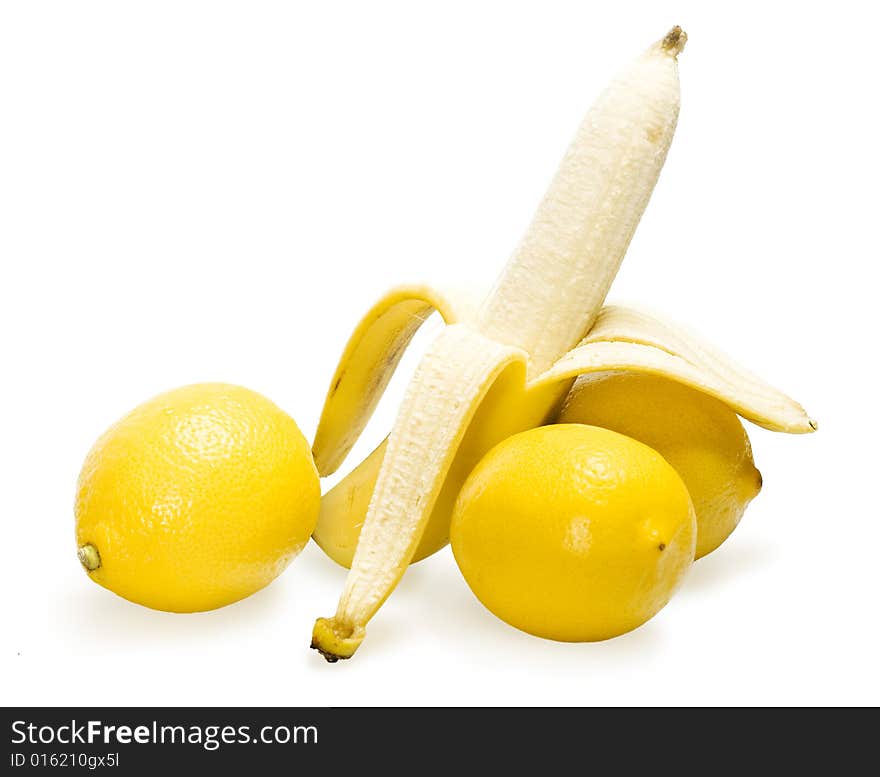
(89, 557)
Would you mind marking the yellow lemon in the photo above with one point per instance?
(196, 499)
(573, 533)
(698, 435)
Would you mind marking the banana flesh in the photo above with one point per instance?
(549, 294)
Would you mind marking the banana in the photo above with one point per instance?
(508, 366)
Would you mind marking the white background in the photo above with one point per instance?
(216, 191)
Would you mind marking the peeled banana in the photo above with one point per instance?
(506, 365)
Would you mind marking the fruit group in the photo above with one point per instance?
(573, 532)
(507, 366)
(196, 499)
(699, 436)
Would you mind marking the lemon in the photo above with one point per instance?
(197, 498)
(573, 533)
(698, 435)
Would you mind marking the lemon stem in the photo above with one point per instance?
(89, 557)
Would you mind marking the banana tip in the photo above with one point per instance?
(814, 424)
(674, 41)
